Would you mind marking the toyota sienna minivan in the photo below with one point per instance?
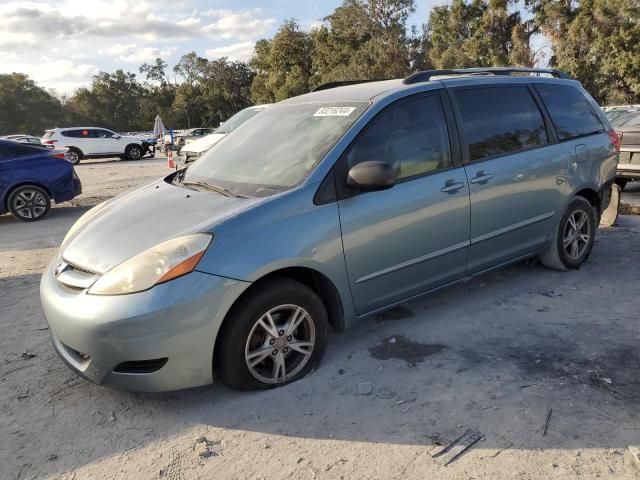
(324, 209)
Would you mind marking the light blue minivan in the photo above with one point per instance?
(324, 209)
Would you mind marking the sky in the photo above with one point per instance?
(61, 43)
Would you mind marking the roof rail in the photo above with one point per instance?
(343, 83)
(426, 75)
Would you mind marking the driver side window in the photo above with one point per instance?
(410, 135)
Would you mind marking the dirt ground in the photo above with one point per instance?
(495, 355)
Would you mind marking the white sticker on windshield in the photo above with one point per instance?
(334, 112)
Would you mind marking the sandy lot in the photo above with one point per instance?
(494, 355)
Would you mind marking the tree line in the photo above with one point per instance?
(596, 41)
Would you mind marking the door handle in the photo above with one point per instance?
(481, 177)
(451, 186)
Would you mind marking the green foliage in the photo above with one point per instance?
(25, 107)
(282, 64)
(596, 41)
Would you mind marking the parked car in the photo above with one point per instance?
(28, 139)
(324, 209)
(31, 177)
(185, 136)
(94, 142)
(191, 151)
(628, 127)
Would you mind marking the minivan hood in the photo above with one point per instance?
(203, 144)
(143, 218)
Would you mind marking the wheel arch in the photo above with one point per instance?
(77, 149)
(313, 279)
(592, 196)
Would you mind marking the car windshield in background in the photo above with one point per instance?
(274, 151)
(237, 120)
(628, 119)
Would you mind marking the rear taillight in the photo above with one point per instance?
(58, 155)
(49, 142)
(615, 138)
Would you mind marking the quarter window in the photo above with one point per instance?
(571, 113)
(411, 135)
(500, 120)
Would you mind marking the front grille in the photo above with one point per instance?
(141, 366)
(73, 277)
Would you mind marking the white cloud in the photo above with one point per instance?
(133, 53)
(242, 51)
(90, 35)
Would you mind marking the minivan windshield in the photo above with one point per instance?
(274, 151)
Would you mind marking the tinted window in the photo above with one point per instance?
(570, 112)
(21, 150)
(411, 135)
(500, 120)
(76, 133)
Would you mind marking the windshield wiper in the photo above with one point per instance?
(214, 188)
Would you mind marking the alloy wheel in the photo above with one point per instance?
(72, 156)
(30, 203)
(280, 344)
(135, 153)
(577, 234)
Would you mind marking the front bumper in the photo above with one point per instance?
(177, 321)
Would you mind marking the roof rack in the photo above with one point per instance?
(427, 75)
(343, 83)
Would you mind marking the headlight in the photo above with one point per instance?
(82, 221)
(159, 264)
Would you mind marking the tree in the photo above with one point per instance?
(25, 107)
(191, 68)
(479, 33)
(362, 40)
(596, 41)
(112, 101)
(282, 64)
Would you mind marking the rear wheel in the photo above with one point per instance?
(134, 152)
(73, 155)
(573, 238)
(274, 336)
(29, 203)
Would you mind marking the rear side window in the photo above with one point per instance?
(500, 120)
(411, 135)
(76, 133)
(21, 150)
(571, 113)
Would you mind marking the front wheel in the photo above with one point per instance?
(274, 336)
(134, 152)
(573, 238)
(29, 203)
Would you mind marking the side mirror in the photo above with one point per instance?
(371, 176)
(116, 136)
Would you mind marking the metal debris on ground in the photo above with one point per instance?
(456, 448)
(209, 451)
(606, 383)
(24, 394)
(365, 388)
(549, 293)
(385, 393)
(546, 423)
(498, 452)
(27, 355)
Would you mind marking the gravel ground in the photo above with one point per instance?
(495, 355)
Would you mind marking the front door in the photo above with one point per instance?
(414, 237)
(516, 174)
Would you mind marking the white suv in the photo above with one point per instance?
(94, 142)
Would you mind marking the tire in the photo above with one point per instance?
(134, 152)
(571, 256)
(29, 203)
(73, 155)
(243, 334)
(622, 182)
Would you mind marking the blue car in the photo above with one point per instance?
(31, 177)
